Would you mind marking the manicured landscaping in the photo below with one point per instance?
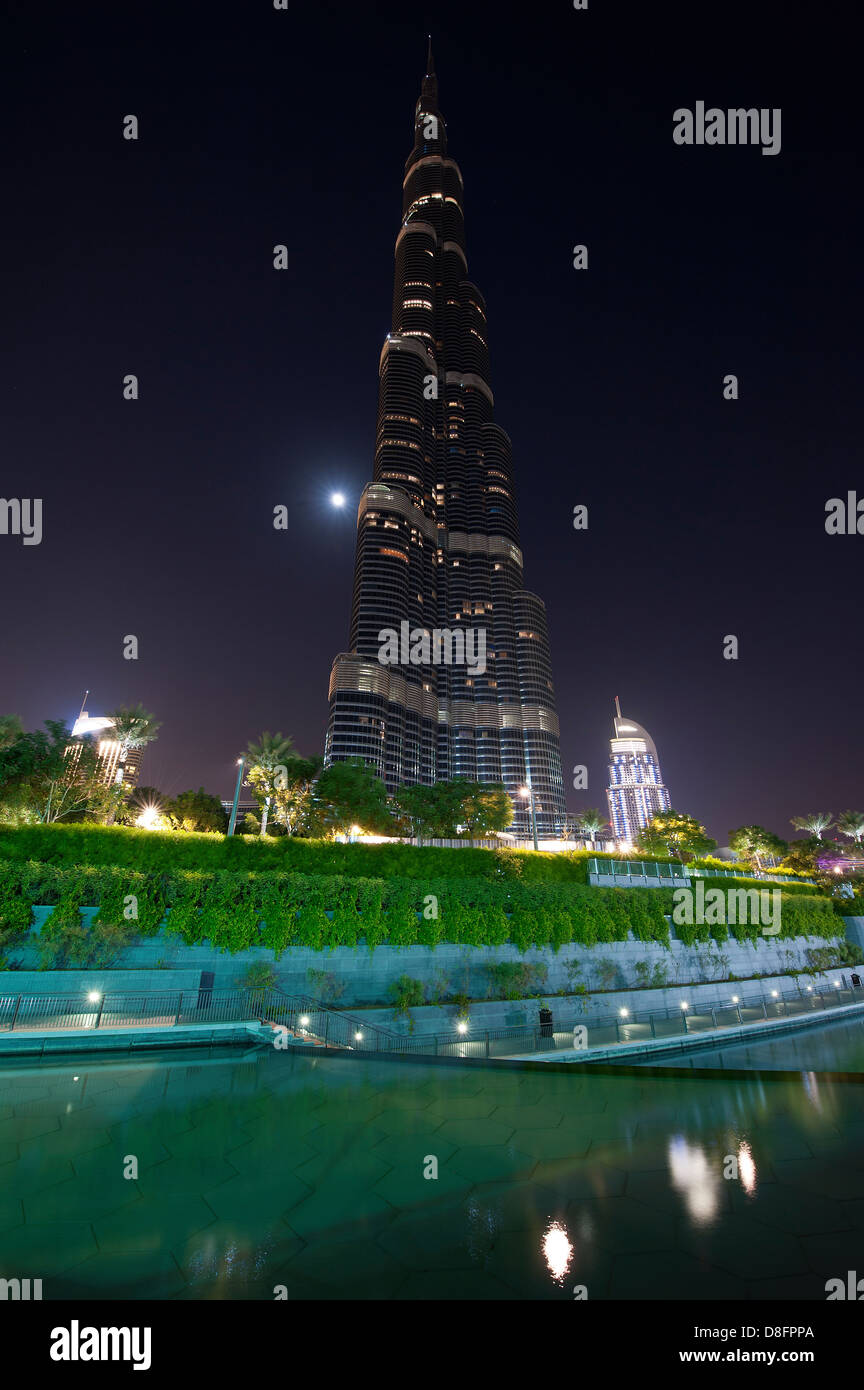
(234, 909)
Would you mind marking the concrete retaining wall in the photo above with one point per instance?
(161, 963)
(568, 1011)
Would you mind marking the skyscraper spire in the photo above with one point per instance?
(430, 61)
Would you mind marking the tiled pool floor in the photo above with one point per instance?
(263, 1169)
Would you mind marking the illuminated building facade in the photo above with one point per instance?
(636, 792)
(437, 533)
(116, 763)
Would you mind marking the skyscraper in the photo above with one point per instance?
(636, 792)
(116, 762)
(437, 534)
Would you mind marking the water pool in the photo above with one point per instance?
(836, 1046)
(258, 1169)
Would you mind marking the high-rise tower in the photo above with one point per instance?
(437, 533)
(636, 792)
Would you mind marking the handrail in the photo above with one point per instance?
(308, 1019)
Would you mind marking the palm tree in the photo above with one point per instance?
(591, 822)
(134, 727)
(851, 824)
(267, 760)
(815, 822)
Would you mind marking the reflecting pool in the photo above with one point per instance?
(837, 1046)
(228, 1175)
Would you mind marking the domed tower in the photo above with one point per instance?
(636, 792)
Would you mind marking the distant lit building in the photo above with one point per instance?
(636, 792)
(116, 763)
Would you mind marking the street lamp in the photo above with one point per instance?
(528, 790)
(241, 765)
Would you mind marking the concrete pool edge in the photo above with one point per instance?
(83, 1041)
(694, 1042)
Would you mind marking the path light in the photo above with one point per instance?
(836, 984)
(358, 1037)
(94, 996)
(624, 1012)
(461, 1027)
(734, 998)
(684, 1006)
(773, 994)
(304, 1022)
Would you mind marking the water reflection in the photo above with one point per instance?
(693, 1176)
(557, 1251)
(746, 1168)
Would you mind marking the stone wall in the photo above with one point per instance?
(163, 962)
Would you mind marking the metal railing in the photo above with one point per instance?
(308, 1021)
(315, 1021)
(652, 868)
(128, 1010)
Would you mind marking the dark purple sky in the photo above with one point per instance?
(258, 388)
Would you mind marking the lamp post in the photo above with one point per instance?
(528, 790)
(241, 766)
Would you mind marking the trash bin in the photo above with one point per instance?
(856, 981)
(546, 1023)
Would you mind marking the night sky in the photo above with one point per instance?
(258, 387)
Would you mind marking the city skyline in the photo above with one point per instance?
(706, 516)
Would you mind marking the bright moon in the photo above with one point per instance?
(338, 499)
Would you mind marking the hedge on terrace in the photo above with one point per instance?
(235, 910)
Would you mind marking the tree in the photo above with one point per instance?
(589, 823)
(754, 842)
(292, 795)
(196, 811)
(11, 729)
(349, 793)
(267, 770)
(420, 807)
(815, 822)
(851, 824)
(675, 834)
(46, 777)
(145, 803)
(484, 807)
(134, 727)
(433, 811)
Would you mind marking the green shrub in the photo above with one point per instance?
(406, 994)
